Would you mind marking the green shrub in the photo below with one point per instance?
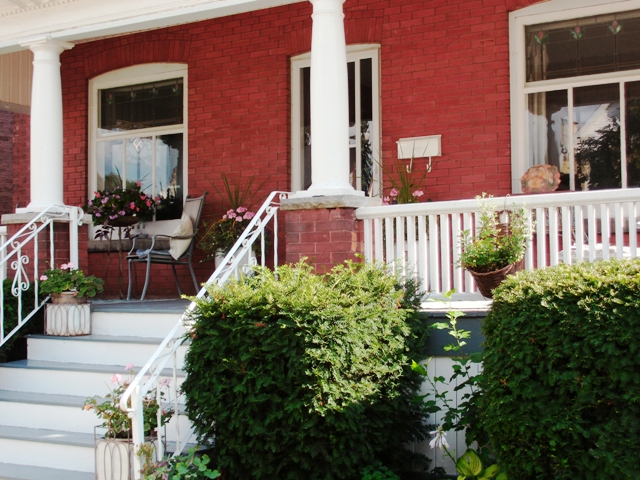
(562, 372)
(35, 324)
(298, 375)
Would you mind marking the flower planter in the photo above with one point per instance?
(114, 458)
(125, 221)
(66, 320)
(67, 298)
(486, 282)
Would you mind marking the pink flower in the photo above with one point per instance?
(43, 278)
(66, 266)
(394, 192)
(239, 219)
(122, 213)
(148, 203)
(385, 200)
(117, 378)
(105, 200)
(97, 194)
(241, 209)
(132, 205)
(231, 214)
(138, 184)
(128, 366)
(111, 217)
(118, 197)
(249, 215)
(418, 193)
(98, 214)
(224, 217)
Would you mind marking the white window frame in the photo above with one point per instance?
(354, 53)
(132, 76)
(547, 12)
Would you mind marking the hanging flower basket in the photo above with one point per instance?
(486, 282)
(125, 221)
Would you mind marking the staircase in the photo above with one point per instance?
(44, 432)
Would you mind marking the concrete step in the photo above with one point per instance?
(40, 410)
(46, 448)
(9, 471)
(97, 349)
(61, 378)
(134, 324)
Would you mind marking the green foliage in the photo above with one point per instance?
(562, 372)
(494, 247)
(461, 413)
(10, 320)
(298, 375)
(183, 467)
(68, 279)
(378, 472)
(116, 421)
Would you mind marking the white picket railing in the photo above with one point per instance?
(261, 231)
(422, 239)
(22, 259)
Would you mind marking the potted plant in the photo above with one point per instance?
(222, 233)
(497, 249)
(114, 449)
(120, 207)
(69, 314)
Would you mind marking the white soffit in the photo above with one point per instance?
(78, 20)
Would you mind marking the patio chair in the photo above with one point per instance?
(180, 252)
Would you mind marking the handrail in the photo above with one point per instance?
(12, 253)
(148, 376)
(422, 239)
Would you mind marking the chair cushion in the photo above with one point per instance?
(185, 229)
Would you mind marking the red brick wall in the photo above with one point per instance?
(325, 236)
(444, 70)
(21, 156)
(6, 162)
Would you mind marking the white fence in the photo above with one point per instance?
(422, 239)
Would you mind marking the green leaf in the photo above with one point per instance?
(469, 464)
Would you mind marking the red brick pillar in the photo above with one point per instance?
(324, 230)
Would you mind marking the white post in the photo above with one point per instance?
(329, 102)
(46, 125)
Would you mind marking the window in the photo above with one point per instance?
(138, 133)
(576, 93)
(364, 120)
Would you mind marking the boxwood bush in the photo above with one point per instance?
(562, 372)
(304, 376)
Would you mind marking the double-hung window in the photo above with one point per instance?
(576, 93)
(138, 133)
(364, 120)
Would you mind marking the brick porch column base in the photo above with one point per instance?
(324, 229)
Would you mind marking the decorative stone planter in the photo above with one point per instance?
(67, 298)
(66, 320)
(114, 458)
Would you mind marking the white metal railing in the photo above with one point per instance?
(262, 228)
(422, 239)
(21, 256)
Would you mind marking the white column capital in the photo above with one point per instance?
(48, 44)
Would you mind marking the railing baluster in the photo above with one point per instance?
(604, 229)
(566, 234)
(455, 243)
(378, 240)
(469, 284)
(619, 229)
(423, 253)
(553, 236)
(541, 232)
(579, 235)
(368, 240)
(411, 246)
(400, 257)
(593, 239)
(434, 243)
(633, 235)
(445, 251)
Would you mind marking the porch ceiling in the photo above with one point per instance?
(82, 20)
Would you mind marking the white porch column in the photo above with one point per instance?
(329, 102)
(46, 125)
